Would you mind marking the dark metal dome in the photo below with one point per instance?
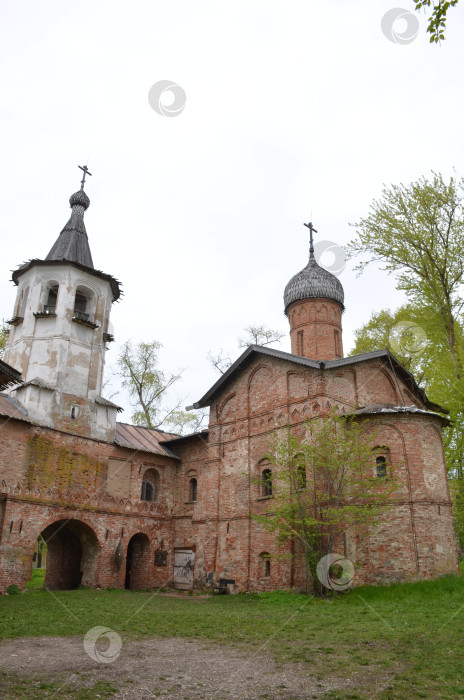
(79, 197)
(313, 282)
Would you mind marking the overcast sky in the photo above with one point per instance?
(291, 108)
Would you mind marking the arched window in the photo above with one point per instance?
(51, 298)
(266, 479)
(150, 485)
(264, 565)
(381, 466)
(193, 490)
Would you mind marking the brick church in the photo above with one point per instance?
(126, 506)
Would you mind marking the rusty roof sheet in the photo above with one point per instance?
(12, 409)
(144, 439)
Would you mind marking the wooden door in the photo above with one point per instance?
(184, 561)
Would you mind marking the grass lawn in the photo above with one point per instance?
(410, 634)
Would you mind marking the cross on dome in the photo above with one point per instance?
(311, 242)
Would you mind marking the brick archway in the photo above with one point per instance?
(72, 555)
(138, 563)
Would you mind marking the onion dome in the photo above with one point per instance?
(313, 282)
(79, 197)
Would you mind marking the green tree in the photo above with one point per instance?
(437, 20)
(3, 338)
(323, 486)
(148, 386)
(417, 232)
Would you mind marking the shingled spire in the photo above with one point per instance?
(72, 243)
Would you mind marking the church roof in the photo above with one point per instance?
(72, 244)
(254, 350)
(313, 281)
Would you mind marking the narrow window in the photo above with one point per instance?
(264, 565)
(299, 343)
(301, 476)
(23, 302)
(148, 491)
(192, 490)
(150, 485)
(73, 412)
(381, 464)
(52, 296)
(80, 306)
(337, 344)
(267, 482)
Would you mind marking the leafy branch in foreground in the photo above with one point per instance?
(437, 20)
(323, 486)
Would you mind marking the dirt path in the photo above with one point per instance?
(159, 668)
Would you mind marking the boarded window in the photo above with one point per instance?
(119, 476)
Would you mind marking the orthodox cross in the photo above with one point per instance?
(86, 172)
(311, 243)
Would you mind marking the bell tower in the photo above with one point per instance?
(59, 332)
(313, 302)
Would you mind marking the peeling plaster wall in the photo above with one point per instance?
(67, 355)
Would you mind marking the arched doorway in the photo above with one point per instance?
(72, 552)
(138, 563)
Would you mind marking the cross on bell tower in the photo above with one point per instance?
(86, 171)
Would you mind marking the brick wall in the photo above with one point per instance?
(49, 477)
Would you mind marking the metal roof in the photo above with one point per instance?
(313, 281)
(8, 375)
(382, 408)
(12, 409)
(144, 439)
(329, 364)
